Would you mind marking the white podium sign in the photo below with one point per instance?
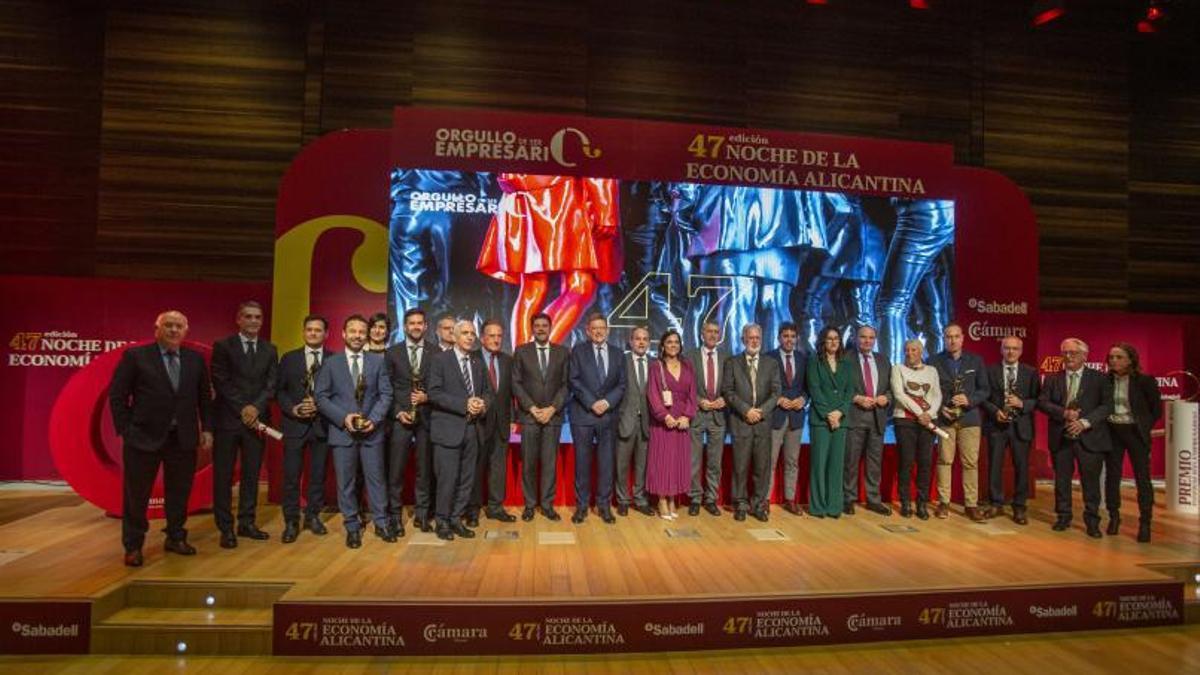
(1183, 456)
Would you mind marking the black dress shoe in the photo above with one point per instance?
(354, 539)
(503, 516)
(527, 515)
(228, 540)
(462, 531)
(1143, 536)
(444, 533)
(551, 515)
(906, 511)
(472, 519)
(1061, 524)
(693, 509)
(848, 509)
(880, 509)
(622, 510)
(1019, 516)
(739, 515)
(760, 514)
(252, 532)
(645, 510)
(922, 511)
(1093, 530)
(386, 534)
(1114, 525)
(712, 508)
(425, 525)
(290, 531)
(178, 546)
(313, 524)
(580, 516)
(133, 558)
(607, 517)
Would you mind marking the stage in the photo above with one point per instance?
(641, 585)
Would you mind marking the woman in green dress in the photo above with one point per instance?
(830, 389)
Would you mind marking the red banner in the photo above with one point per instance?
(49, 627)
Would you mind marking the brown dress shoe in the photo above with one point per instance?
(942, 511)
(974, 514)
(133, 558)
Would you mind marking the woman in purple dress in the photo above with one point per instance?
(671, 390)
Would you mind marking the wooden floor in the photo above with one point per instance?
(1169, 651)
(74, 551)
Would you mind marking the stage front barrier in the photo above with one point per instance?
(1183, 456)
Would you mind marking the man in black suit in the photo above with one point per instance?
(539, 383)
(1009, 408)
(1137, 405)
(750, 385)
(243, 375)
(633, 426)
(597, 377)
(870, 410)
(161, 403)
(787, 420)
(492, 465)
(408, 367)
(707, 428)
(1078, 401)
(303, 428)
(460, 395)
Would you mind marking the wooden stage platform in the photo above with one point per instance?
(641, 585)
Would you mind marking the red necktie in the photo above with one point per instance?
(787, 362)
(710, 378)
(492, 373)
(868, 381)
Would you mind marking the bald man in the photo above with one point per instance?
(1008, 419)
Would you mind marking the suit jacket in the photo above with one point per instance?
(290, 391)
(532, 389)
(875, 418)
(500, 411)
(829, 390)
(335, 397)
(448, 395)
(240, 381)
(143, 404)
(1145, 402)
(797, 387)
(740, 397)
(587, 386)
(1095, 405)
(400, 374)
(635, 411)
(706, 417)
(974, 385)
(1028, 387)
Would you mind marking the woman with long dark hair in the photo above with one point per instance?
(1137, 405)
(830, 388)
(671, 393)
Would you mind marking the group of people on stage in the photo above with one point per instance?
(656, 424)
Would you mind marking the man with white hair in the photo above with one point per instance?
(750, 384)
(1078, 401)
(161, 403)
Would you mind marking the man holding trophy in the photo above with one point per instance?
(303, 428)
(1014, 392)
(964, 387)
(1078, 401)
(408, 367)
(354, 394)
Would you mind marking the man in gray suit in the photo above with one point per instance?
(633, 426)
(708, 427)
(751, 385)
(869, 414)
(539, 383)
(353, 393)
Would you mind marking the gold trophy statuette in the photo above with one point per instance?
(360, 391)
(953, 412)
(418, 384)
(1010, 389)
(310, 386)
(1072, 405)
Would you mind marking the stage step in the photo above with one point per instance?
(1189, 574)
(152, 616)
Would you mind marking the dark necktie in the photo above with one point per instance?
(412, 357)
(173, 369)
(868, 381)
(641, 372)
(542, 361)
(600, 365)
(466, 373)
(355, 371)
(492, 377)
(710, 377)
(787, 368)
(250, 351)
(1011, 377)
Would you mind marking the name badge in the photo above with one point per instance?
(666, 397)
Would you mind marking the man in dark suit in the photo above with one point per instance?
(633, 426)
(539, 383)
(408, 369)
(460, 396)
(161, 404)
(492, 465)
(751, 386)
(597, 376)
(354, 396)
(1078, 401)
(243, 375)
(1137, 405)
(964, 385)
(1014, 389)
(708, 427)
(303, 428)
(870, 411)
(787, 420)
